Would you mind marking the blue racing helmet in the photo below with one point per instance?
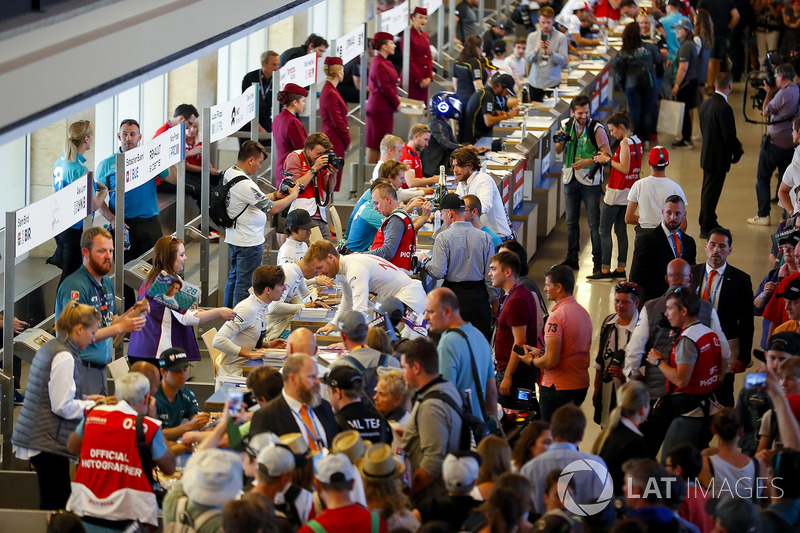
(446, 104)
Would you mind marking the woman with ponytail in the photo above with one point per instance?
(70, 167)
(621, 439)
(287, 130)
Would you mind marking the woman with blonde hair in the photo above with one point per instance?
(166, 327)
(495, 455)
(53, 406)
(333, 111)
(393, 400)
(69, 168)
(621, 439)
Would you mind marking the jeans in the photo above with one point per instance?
(244, 261)
(769, 159)
(52, 473)
(639, 103)
(614, 215)
(551, 399)
(574, 193)
(685, 429)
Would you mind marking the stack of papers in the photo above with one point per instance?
(312, 314)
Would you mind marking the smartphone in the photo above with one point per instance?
(235, 400)
(519, 350)
(756, 380)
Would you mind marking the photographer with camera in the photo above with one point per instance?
(580, 140)
(615, 333)
(311, 169)
(781, 106)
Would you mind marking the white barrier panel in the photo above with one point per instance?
(395, 20)
(143, 163)
(431, 5)
(301, 71)
(229, 117)
(40, 221)
(351, 45)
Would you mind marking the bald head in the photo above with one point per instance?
(150, 372)
(679, 272)
(301, 340)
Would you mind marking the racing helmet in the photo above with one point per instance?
(445, 104)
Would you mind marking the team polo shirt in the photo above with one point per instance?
(412, 159)
(572, 324)
(65, 172)
(141, 202)
(172, 414)
(82, 287)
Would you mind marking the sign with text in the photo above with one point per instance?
(352, 45)
(43, 220)
(143, 163)
(301, 71)
(519, 182)
(395, 20)
(229, 117)
(431, 5)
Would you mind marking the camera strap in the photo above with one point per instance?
(796, 111)
(315, 188)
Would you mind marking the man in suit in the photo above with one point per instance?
(720, 149)
(656, 248)
(299, 408)
(730, 291)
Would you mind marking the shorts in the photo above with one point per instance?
(720, 48)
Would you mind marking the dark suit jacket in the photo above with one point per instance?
(622, 444)
(277, 417)
(651, 255)
(719, 135)
(734, 307)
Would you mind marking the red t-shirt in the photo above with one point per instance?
(164, 127)
(412, 159)
(351, 519)
(693, 508)
(519, 309)
(775, 311)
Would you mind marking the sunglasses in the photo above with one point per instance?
(626, 287)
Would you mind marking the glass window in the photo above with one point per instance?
(14, 156)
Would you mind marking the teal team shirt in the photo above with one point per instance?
(172, 414)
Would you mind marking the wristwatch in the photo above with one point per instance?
(658, 361)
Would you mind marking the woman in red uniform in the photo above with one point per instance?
(420, 65)
(383, 100)
(289, 133)
(333, 111)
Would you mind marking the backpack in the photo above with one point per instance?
(369, 376)
(473, 428)
(184, 523)
(637, 73)
(703, 57)
(218, 200)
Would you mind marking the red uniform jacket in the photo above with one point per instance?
(408, 243)
(420, 65)
(290, 135)
(382, 86)
(707, 373)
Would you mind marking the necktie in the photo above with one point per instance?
(677, 242)
(313, 438)
(709, 283)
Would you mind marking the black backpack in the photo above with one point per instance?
(369, 376)
(473, 428)
(218, 200)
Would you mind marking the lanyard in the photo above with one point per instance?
(262, 87)
(713, 297)
(105, 311)
(308, 430)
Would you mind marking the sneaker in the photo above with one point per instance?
(213, 235)
(601, 276)
(619, 274)
(682, 145)
(572, 263)
(18, 398)
(759, 221)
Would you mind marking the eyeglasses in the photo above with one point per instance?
(626, 287)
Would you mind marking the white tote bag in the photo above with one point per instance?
(670, 117)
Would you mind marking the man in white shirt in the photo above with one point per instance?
(574, 15)
(466, 167)
(250, 206)
(787, 193)
(391, 147)
(648, 194)
(361, 274)
(242, 338)
(296, 297)
(517, 60)
(499, 60)
(298, 227)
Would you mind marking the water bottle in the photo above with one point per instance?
(126, 240)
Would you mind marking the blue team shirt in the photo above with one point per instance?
(365, 224)
(81, 286)
(141, 202)
(496, 241)
(65, 172)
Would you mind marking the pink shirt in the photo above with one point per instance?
(569, 321)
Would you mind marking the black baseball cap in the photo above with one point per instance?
(343, 377)
(173, 360)
(299, 218)
(507, 81)
(792, 291)
(452, 201)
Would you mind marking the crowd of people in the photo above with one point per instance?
(459, 408)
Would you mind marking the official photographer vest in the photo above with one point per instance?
(306, 199)
(707, 373)
(583, 147)
(110, 482)
(408, 242)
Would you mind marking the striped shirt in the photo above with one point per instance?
(463, 253)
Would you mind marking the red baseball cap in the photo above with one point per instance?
(659, 157)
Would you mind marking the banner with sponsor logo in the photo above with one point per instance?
(143, 163)
(431, 5)
(352, 45)
(229, 117)
(43, 220)
(301, 71)
(395, 20)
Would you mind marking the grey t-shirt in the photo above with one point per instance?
(687, 52)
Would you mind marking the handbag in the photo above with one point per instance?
(670, 117)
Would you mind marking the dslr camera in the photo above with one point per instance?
(286, 184)
(617, 358)
(562, 137)
(334, 160)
